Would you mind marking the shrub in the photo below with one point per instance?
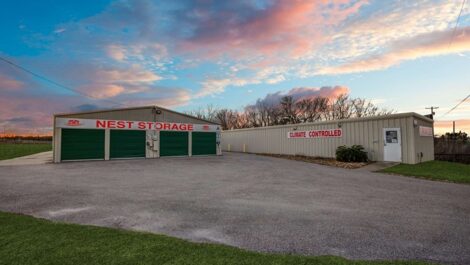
(354, 153)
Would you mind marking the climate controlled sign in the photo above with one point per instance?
(315, 134)
(132, 125)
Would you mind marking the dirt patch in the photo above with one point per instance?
(321, 161)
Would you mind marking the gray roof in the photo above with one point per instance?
(133, 108)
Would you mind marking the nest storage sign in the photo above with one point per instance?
(132, 125)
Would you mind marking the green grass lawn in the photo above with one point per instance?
(435, 170)
(26, 240)
(8, 151)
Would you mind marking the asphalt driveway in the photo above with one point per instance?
(254, 202)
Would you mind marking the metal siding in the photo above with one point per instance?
(380, 149)
(377, 143)
(367, 132)
(143, 114)
(410, 142)
(423, 144)
(404, 140)
(57, 138)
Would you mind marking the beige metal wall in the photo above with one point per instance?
(367, 132)
(423, 144)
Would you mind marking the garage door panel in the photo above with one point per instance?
(173, 143)
(204, 143)
(127, 144)
(77, 144)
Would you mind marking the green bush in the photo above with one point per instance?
(354, 153)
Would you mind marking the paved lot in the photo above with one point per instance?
(254, 202)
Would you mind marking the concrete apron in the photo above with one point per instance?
(36, 159)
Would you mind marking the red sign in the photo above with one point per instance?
(73, 123)
(316, 134)
(143, 125)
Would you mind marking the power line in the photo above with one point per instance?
(462, 101)
(456, 24)
(55, 83)
(432, 108)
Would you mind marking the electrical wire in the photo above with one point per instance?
(456, 24)
(450, 44)
(462, 101)
(55, 83)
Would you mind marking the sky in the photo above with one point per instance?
(184, 55)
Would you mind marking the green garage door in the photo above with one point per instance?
(204, 143)
(173, 143)
(82, 144)
(126, 144)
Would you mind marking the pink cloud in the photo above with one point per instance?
(424, 45)
(312, 92)
(30, 115)
(111, 82)
(167, 98)
(116, 52)
(286, 27)
(22, 114)
(443, 126)
(142, 51)
(102, 90)
(300, 93)
(8, 83)
(132, 74)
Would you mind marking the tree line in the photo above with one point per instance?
(290, 111)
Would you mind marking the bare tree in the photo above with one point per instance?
(207, 113)
(210, 112)
(311, 109)
(288, 110)
(252, 116)
(363, 108)
(222, 117)
(341, 108)
(198, 113)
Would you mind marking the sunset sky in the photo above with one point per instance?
(403, 55)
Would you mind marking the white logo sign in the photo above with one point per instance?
(425, 131)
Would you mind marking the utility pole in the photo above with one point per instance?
(432, 108)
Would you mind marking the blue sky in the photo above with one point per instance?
(187, 54)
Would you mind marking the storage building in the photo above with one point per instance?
(405, 137)
(141, 132)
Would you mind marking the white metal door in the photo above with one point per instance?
(392, 144)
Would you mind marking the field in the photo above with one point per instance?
(27, 240)
(434, 170)
(8, 150)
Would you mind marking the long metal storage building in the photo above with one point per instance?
(405, 137)
(141, 132)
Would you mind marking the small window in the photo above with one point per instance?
(391, 137)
